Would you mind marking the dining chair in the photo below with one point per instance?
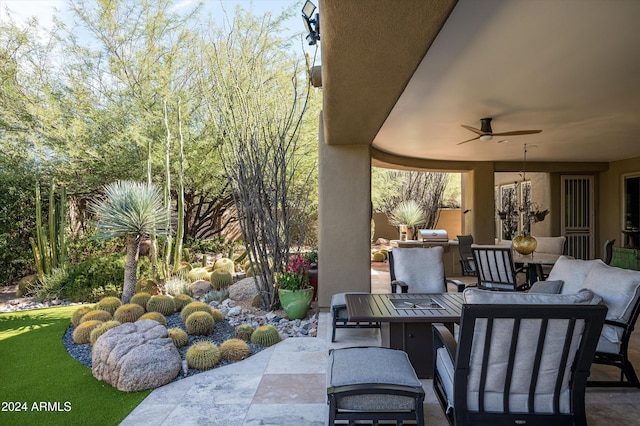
(466, 257)
(419, 270)
(496, 270)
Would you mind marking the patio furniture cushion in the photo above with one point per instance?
(619, 288)
(340, 318)
(554, 245)
(427, 279)
(479, 296)
(369, 366)
(547, 287)
(572, 271)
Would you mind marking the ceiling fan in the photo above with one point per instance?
(486, 134)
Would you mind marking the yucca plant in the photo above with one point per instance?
(134, 210)
(407, 213)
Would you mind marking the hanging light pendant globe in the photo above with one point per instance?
(524, 244)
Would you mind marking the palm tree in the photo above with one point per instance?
(133, 210)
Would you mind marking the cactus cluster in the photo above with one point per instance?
(224, 264)
(266, 335)
(155, 316)
(129, 312)
(234, 350)
(100, 330)
(109, 304)
(161, 303)
(141, 298)
(182, 300)
(96, 315)
(194, 307)
(78, 314)
(179, 336)
(200, 323)
(82, 333)
(244, 332)
(202, 355)
(147, 285)
(220, 279)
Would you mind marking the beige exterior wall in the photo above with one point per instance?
(477, 197)
(450, 219)
(610, 201)
(344, 228)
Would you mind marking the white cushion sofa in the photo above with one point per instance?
(620, 292)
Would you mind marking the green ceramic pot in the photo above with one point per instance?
(295, 302)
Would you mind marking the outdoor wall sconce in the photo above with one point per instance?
(310, 23)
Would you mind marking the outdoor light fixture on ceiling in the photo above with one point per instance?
(310, 23)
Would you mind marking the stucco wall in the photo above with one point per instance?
(450, 219)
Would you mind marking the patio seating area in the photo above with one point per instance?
(285, 384)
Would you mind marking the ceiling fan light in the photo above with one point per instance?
(486, 137)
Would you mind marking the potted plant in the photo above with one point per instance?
(312, 258)
(294, 291)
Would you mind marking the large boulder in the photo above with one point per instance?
(136, 356)
(200, 288)
(244, 289)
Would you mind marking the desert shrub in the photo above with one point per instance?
(201, 245)
(177, 284)
(27, 285)
(234, 350)
(52, 286)
(109, 290)
(216, 295)
(202, 355)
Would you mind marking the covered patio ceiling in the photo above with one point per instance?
(403, 77)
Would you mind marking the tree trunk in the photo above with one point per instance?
(130, 269)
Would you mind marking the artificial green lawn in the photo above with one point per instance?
(36, 369)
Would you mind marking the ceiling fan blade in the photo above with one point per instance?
(477, 137)
(517, 132)
(473, 129)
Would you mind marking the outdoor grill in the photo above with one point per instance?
(434, 235)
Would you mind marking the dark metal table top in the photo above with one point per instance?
(380, 307)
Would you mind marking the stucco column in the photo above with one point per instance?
(478, 197)
(344, 219)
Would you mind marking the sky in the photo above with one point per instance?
(44, 9)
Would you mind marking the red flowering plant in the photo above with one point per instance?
(296, 274)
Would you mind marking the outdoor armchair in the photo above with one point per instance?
(520, 358)
(495, 267)
(466, 256)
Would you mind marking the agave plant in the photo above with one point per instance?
(133, 210)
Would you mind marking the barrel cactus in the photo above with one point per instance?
(266, 335)
(217, 315)
(200, 323)
(147, 285)
(179, 336)
(244, 332)
(82, 333)
(378, 257)
(109, 304)
(182, 300)
(141, 299)
(202, 355)
(196, 274)
(79, 313)
(234, 350)
(129, 312)
(220, 278)
(224, 264)
(155, 316)
(96, 315)
(161, 303)
(256, 301)
(194, 307)
(99, 331)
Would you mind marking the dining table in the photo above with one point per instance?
(532, 264)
